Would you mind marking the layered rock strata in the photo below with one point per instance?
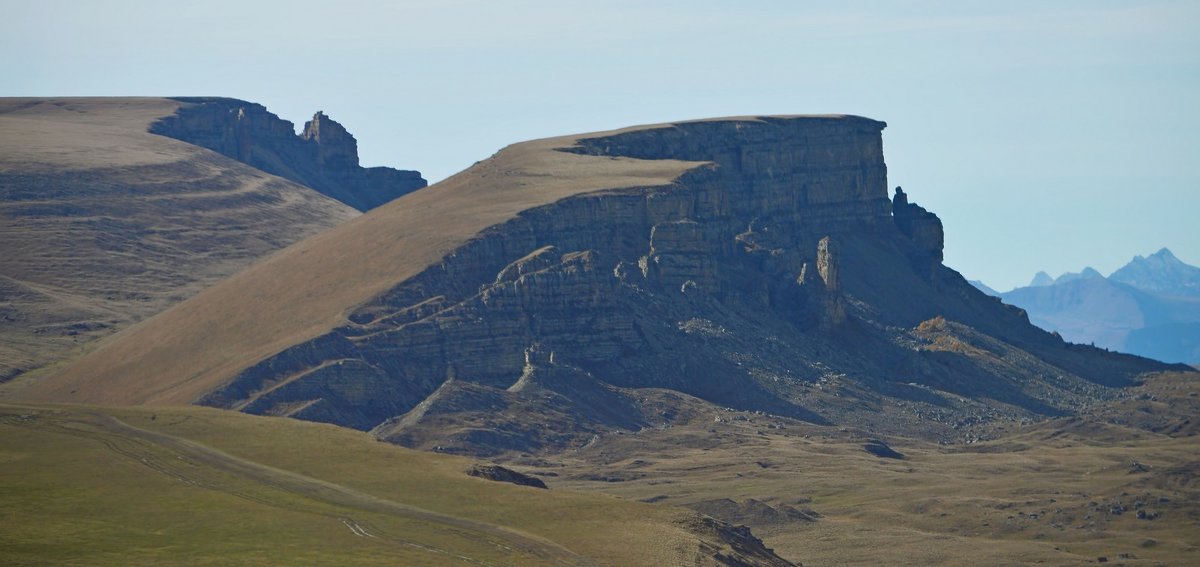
(774, 276)
(103, 224)
(468, 317)
(324, 156)
(922, 227)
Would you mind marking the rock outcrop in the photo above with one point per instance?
(103, 224)
(754, 263)
(500, 474)
(834, 311)
(922, 227)
(740, 547)
(629, 289)
(550, 405)
(881, 450)
(753, 512)
(324, 156)
(494, 297)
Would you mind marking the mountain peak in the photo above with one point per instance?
(1041, 279)
(1086, 274)
(1160, 272)
(1164, 253)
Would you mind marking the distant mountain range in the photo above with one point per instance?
(985, 288)
(1042, 279)
(1161, 273)
(1149, 307)
(721, 325)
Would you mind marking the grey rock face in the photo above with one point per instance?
(501, 474)
(922, 227)
(827, 263)
(755, 281)
(324, 156)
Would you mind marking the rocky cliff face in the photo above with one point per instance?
(922, 227)
(324, 156)
(777, 277)
(103, 224)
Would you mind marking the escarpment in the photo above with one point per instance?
(590, 277)
(922, 227)
(103, 224)
(739, 283)
(324, 156)
(753, 263)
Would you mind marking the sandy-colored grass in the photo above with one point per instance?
(103, 224)
(42, 134)
(1042, 493)
(199, 485)
(83, 485)
(308, 288)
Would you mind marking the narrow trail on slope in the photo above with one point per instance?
(186, 460)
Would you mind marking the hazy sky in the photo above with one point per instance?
(1046, 135)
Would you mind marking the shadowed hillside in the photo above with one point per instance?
(324, 156)
(756, 263)
(103, 224)
(252, 315)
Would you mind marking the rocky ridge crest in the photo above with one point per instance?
(324, 156)
(104, 224)
(777, 276)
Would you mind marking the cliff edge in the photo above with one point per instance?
(103, 224)
(753, 262)
(323, 156)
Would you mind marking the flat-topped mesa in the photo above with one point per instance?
(740, 230)
(324, 156)
(738, 260)
(827, 170)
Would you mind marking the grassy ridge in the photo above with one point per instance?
(137, 486)
(201, 486)
(104, 224)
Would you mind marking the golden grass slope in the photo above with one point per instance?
(308, 288)
(103, 224)
(1060, 492)
(86, 485)
(139, 486)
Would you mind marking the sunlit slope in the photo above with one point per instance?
(308, 288)
(103, 224)
(1117, 482)
(187, 486)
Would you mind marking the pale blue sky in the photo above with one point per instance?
(1046, 135)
